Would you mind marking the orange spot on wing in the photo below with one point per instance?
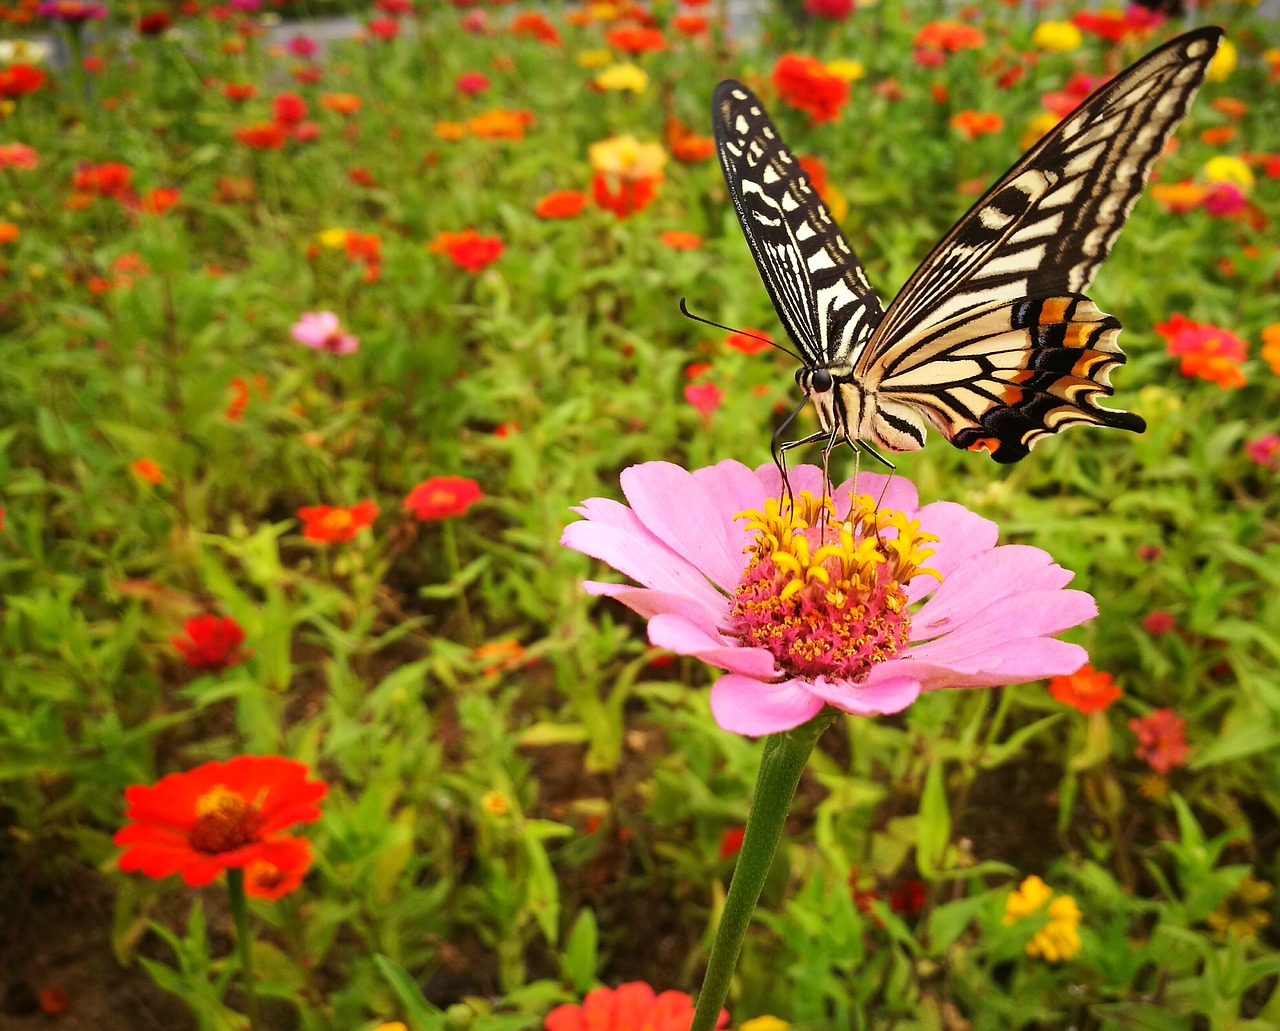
(1011, 395)
(1054, 310)
(1077, 334)
(991, 444)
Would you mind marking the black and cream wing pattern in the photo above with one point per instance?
(991, 340)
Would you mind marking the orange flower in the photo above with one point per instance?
(9, 232)
(680, 240)
(1086, 690)
(948, 36)
(561, 204)
(161, 199)
(262, 135)
(749, 341)
(973, 124)
(332, 525)
(689, 25)
(239, 92)
(219, 816)
(805, 84)
(442, 497)
(1232, 107)
(1179, 198)
(685, 146)
(535, 26)
(1271, 346)
(625, 197)
(340, 103)
(635, 39)
(148, 470)
(450, 130)
(500, 124)
(468, 249)
(1217, 135)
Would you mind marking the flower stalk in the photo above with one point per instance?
(781, 764)
(244, 944)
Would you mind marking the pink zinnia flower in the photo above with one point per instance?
(472, 83)
(1224, 199)
(705, 398)
(322, 330)
(822, 610)
(1265, 450)
(302, 46)
(1162, 739)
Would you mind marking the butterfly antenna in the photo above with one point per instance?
(684, 310)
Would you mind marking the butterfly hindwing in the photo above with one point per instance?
(813, 276)
(1002, 376)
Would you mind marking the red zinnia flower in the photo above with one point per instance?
(239, 92)
(631, 195)
(973, 124)
(109, 179)
(1205, 350)
(289, 109)
(680, 240)
(220, 816)
(948, 36)
(1162, 740)
(834, 10)
(262, 135)
(384, 28)
(18, 79)
(748, 341)
(626, 1008)
(468, 249)
(561, 204)
(804, 83)
(153, 24)
(161, 199)
(330, 524)
(636, 40)
(211, 642)
(731, 841)
(1086, 690)
(442, 497)
(536, 25)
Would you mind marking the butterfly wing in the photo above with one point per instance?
(813, 276)
(1037, 236)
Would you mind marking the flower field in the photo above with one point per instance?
(346, 397)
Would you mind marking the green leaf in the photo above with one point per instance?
(421, 1013)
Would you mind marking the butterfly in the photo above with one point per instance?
(991, 340)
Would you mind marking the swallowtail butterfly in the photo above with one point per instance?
(991, 340)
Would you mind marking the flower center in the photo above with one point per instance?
(826, 595)
(224, 821)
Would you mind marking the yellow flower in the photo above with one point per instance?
(627, 158)
(604, 12)
(23, 51)
(1228, 169)
(846, 70)
(1036, 128)
(495, 803)
(450, 130)
(1238, 914)
(395, 1025)
(1056, 37)
(594, 58)
(335, 239)
(1059, 938)
(623, 77)
(765, 1023)
(1223, 63)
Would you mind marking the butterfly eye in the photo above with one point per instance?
(820, 382)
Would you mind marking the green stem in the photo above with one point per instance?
(235, 889)
(455, 567)
(781, 764)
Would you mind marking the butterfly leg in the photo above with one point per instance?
(780, 455)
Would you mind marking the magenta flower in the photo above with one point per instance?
(322, 330)
(73, 12)
(1265, 450)
(821, 604)
(302, 46)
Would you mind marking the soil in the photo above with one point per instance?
(59, 942)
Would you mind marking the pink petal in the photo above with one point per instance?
(802, 477)
(900, 493)
(688, 518)
(961, 535)
(677, 634)
(891, 687)
(647, 603)
(983, 579)
(639, 555)
(744, 705)
(1017, 662)
(1013, 618)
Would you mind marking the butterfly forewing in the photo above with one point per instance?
(1044, 228)
(814, 279)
